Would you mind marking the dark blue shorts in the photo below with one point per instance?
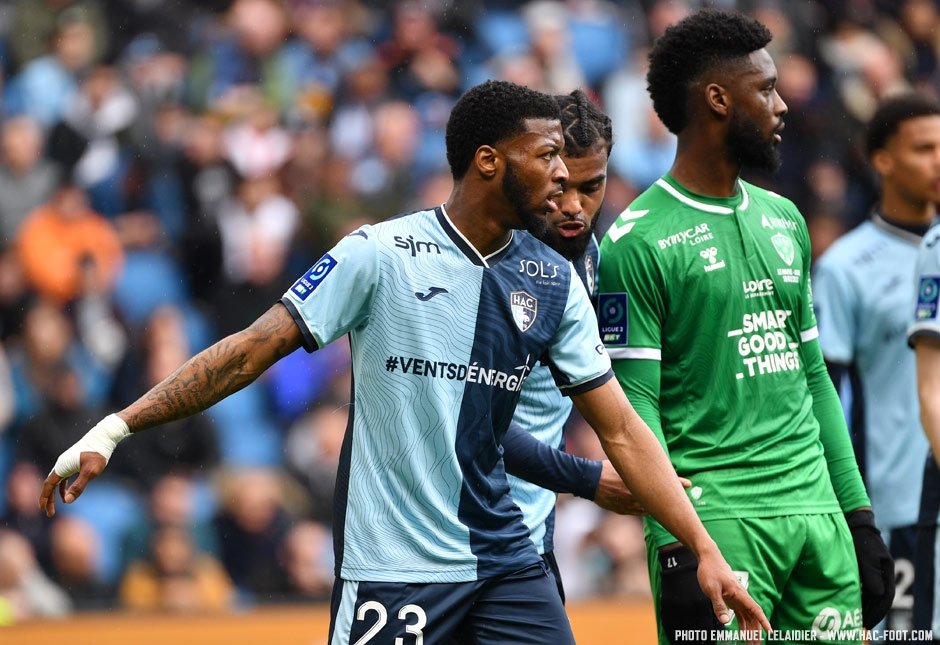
(521, 607)
(902, 543)
(552, 564)
(927, 558)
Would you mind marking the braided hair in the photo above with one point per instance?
(584, 125)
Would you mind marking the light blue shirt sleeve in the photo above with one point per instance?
(835, 304)
(577, 358)
(926, 317)
(335, 295)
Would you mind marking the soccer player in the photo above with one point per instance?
(447, 310)
(924, 337)
(706, 310)
(863, 286)
(538, 424)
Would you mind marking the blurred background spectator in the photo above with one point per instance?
(23, 585)
(175, 577)
(167, 168)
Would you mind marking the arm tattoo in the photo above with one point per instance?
(215, 373)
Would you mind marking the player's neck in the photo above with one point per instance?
(699, 170)
(900, 210)
(475, 220)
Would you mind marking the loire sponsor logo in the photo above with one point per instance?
(758, 288)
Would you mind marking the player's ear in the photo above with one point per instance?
(718, 99)
(881, 161)
(488, 161)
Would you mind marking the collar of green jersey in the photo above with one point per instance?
(720, 205)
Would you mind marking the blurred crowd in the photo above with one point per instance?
(168, 167)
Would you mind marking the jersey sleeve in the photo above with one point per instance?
(926, 317)
(335, 294)
(833, 431)
(631, 310)
(808, 328)
(548, 467)
(630, 301)
(835, 311)
(574, 367)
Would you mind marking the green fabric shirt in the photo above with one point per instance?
(715, 293)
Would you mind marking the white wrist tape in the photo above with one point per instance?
(103, 439)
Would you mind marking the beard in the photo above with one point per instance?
(570, 248)
(749, 145)
(520, 198)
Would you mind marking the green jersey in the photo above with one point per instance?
(717, 291)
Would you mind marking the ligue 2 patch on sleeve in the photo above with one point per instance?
(928, 295)
(612, 318)
(312, 279)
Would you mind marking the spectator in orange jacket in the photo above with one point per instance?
(66, 248)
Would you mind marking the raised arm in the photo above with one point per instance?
(217, 372)
(639, 458)
(208, 377)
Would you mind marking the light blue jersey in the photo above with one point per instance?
(542, 412)
(926, 317)
(442, 340)
(863, 289)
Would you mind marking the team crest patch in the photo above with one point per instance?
(524, 308)
(612, 317)
(784, 246)
(312, 279)
(589, 273)
(928, 295)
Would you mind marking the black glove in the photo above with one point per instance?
(875, 567)
(682, 603)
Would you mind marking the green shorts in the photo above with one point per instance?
(801, 570)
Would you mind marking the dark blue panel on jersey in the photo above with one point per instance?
(926, 558)
(518, 315)
(548, 542)
(586, 266)
(341, 490)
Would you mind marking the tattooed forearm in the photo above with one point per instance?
(215, 373)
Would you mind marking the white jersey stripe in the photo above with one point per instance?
(810, 334)
(649, 353)
(688, 201)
